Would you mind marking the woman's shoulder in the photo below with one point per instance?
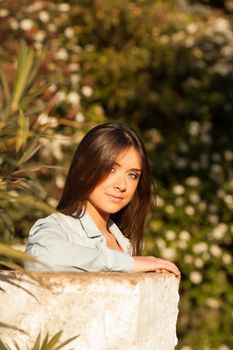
(55, 221)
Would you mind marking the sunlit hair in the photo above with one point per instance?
(92, 162)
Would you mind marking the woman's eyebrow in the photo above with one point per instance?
(133, 169)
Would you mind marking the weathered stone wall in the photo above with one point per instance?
(109, 311)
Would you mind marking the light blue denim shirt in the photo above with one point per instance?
(65, 243)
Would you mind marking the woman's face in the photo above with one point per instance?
(117, 189)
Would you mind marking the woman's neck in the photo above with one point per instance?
(99, 218)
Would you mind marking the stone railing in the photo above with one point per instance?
(108, 311)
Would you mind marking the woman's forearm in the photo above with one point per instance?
(151, 263)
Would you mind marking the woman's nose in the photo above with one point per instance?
(120, 184)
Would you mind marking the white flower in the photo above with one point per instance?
(192, 181)
(60, 181)
(228, 199)
(178, 189)
(223, 347)
(164, 39)
(179, 201)
(40, 36)
(37, 45)
(53, 202)
(74, 67)
(228, 155)
(61, 54)
(188, 259)
(189, 42)
(4, 12)
(75, 79)
(221, 193)
(52, 27)
(64, 7)
(213, 218)
(206, 256)
(169, 209)
(42, 119)
(74, 98)
(219, 231)
(44, 16)
(198, 262)
(194, 128)
(170, 235)
(221, 25)
(192, 28)
(200, 247)
(215, 250)
(182, 244)
(87, 91)
(13, 23)
(160, 243)
(168, 253)
(184, 235)
(61, 96)
(26, 24)
(195, 277)
(52, 87)
(184, 147)
(216, 168)
(159, 201)
(206, 139)
(69, 32)
(179, 36)
(197, 53)
(227, 259)
(202, 206)
(227, 51)
(189, 210)
(79, 117)
(194, 197)
(213, 303)
(181, 163)
(13, 193)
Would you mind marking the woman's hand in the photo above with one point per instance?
(151, 263)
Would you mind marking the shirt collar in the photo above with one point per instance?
(89, 226)
(93, 231)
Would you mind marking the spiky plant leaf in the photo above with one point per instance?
(24, 66)
(9, 252)
(33, 148)
(22, 132)
(53, 341)
(17, 267)
(37, 343)
(3, 346)
(66, 342)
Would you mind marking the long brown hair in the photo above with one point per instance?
(92, 161)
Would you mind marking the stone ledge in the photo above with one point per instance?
(109, 311)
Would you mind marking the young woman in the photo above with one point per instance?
(99, 221)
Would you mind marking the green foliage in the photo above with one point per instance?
(164, 67)
(46, 343)
(20, 140)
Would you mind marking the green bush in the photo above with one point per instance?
(164, 67)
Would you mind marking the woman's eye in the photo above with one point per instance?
(134, 175)
(113, 170)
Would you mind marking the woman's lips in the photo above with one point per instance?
(114, 197)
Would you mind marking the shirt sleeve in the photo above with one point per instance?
(50, 247)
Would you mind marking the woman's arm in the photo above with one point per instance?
(150, 263)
